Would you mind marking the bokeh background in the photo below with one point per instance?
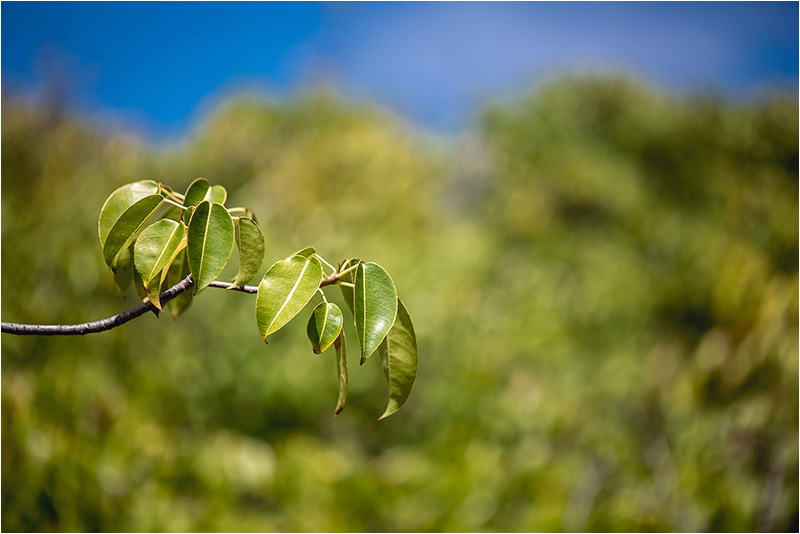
(591, 212)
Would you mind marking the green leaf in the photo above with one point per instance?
(153, 289)
(399, 359)
(119, 201)
(177, 272)
(347, 292)
(124, 229)
(250, 242)
(285, 289)
(200, 190)
(305, 252)
(138, 285)
(374, 306)
(196, 192)
(210, 242)
(140, 289)
(216, 193)
(123, 275)
(341, 368)
(324, 326)
(187, 215)
(156, 247)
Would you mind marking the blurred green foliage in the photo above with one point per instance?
(604, 283)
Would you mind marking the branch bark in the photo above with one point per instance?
(120, 319)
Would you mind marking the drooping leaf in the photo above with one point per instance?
(124, 230)
(153, 289)
(250, 242)
(399, 359)
(138, 285)
(210, 242)
(341, 368)
(285, 289)
(374, 306)
(347, 292)
(123, 275)
(119, 201)
(177, 272)
(141, 290)
(324, 326)
(196, 192)
(156, 246)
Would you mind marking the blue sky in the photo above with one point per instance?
(158, 66)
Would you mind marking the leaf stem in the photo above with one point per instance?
(325, 262)
(175, 204)
(345, 284)
(352, 267)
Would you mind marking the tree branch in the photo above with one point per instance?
(114, 321)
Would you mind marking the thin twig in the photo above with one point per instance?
(114, 321)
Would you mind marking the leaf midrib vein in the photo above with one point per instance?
(289, 296)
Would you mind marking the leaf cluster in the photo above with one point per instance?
(152, 237)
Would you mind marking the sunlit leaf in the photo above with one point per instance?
(156, 246)
(285, 289)
(127, 225)
(123, 273)
(305, 252)
(340, 344)
(200, 190)
(216, 193)
(399, 359)
(196, 192)
(374, 306)
(210, 242)
(250, 242)
(119, 201)
(324, 326)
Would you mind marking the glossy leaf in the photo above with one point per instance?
(119, 201)
(347, 292)
(156, 246)
(200, 190)
(399, 360)
(341, 368)
(177, 272)
(250, 242)
(210, 243)
(196, 192)
(127, 225)
(305, 252)
(123, 273)
(285, 289)
(374, 306)
(324, 326)
(217, 193)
